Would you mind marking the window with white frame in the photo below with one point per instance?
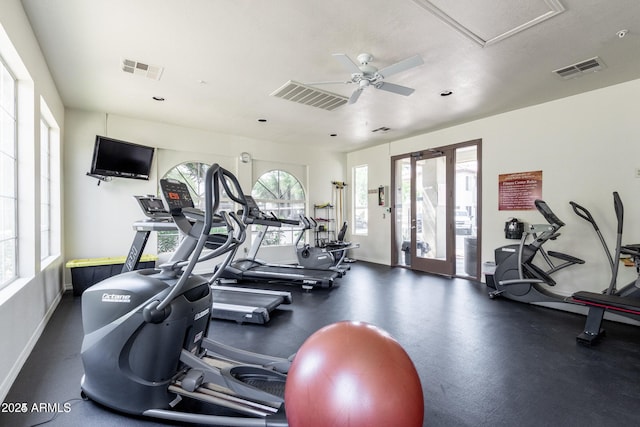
(280, 193)
(360, 199)
(45, 190)
(8, 182)
(49, 184)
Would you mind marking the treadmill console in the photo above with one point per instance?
(256, 216)
(252, 207)
(153, 207)
(176, 194)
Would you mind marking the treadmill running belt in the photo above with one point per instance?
(243, 306)
(269, 302)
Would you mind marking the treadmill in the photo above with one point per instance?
(255, 270)
(229, 303)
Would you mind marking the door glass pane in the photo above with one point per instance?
(402, 212)
(466, 210)
(431, 208)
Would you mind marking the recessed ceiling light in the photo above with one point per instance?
(382, 129)
(158, 98)
(262, 120)
(446, 93)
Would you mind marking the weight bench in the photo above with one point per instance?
(598, 304)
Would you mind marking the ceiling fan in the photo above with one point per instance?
(364, 74)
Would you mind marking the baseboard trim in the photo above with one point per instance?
(24, 355)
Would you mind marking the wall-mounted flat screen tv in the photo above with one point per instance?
(112, 157)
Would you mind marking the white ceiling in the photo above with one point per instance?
(222, 59)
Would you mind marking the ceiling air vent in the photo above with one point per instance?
(581, 68)
(303, 94)
(152, 72)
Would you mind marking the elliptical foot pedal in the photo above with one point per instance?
(192, 380)
(263, 379)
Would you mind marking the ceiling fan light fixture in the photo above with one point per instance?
(365, 75)
(365, 58)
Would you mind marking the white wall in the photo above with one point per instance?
(99, 218)
(376, 245)
(587, 147)
(27, 303)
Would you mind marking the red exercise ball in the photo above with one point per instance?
(353, 374)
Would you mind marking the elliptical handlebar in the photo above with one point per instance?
(236, 193)
(584, 214)
(611, 257)
(619, 208)
(215, 176)
(548, 214)
(230, 243)
(242, 233)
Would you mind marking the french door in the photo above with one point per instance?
(435, 210)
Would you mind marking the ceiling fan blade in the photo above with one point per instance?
(347, 63)
(405, 64)
(354, 96)
(337, 82)
(394, 88)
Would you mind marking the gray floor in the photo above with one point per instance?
(482, 362)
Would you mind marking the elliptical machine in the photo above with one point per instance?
(517, 277)
(145, 349)
(633, 251)
(623, 302)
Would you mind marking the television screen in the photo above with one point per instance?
(112, 157)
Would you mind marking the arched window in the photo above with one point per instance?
(280, 193)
